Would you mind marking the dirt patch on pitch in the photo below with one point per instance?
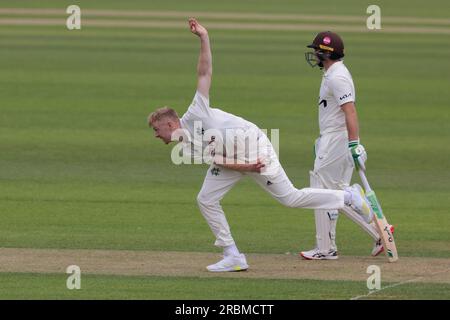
(192, 264)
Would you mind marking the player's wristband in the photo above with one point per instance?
(353, 143)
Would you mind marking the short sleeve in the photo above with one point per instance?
(199, 105)
(343, 89)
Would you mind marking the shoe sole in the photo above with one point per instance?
(378, 252)
(324, 258)
(231, 269)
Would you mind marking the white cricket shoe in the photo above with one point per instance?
(229, 263)
(316, 254)
(359, 202)
(378, 246)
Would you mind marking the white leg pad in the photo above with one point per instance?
(325, 234)
(333, 215)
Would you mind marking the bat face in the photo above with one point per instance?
(387, 239)
(388, 233)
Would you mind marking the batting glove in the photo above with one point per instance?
(359, 154)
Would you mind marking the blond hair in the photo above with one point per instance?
(161, 113)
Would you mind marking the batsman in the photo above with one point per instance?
(338, 150)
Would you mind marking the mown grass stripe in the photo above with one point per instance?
(223, 26)
(53, 286)
(224, 15)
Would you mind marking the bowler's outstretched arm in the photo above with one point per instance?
(204, 68)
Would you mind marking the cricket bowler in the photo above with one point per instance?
(337, 150)
(226, 170)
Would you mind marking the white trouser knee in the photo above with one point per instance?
(215, 217)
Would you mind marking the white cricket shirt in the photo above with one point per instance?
(336, 89)
(210, 128)
(210, 119)
(227, 125)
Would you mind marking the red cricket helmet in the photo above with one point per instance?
(326, 44)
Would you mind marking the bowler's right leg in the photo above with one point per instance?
(217, 183)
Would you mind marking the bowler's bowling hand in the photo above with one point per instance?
(197, 28)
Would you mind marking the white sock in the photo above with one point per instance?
(231, 250)
(347, 198)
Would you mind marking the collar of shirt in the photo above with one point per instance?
(186, 137)
(333, 67)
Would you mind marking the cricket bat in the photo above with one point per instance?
(381, 223)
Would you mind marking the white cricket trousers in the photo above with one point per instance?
(333, 169)
(219, 181)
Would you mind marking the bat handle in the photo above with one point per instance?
(364, 180)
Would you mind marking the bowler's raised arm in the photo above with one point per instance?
(204, 68)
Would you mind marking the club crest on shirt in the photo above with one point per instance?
(215, 171)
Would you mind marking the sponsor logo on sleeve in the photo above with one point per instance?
(345, 96)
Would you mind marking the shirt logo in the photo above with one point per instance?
(215, 171)
(200, 131)
(324, 103)
(348, 95)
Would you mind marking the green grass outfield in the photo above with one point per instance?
(80, 169)
(53, 286)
